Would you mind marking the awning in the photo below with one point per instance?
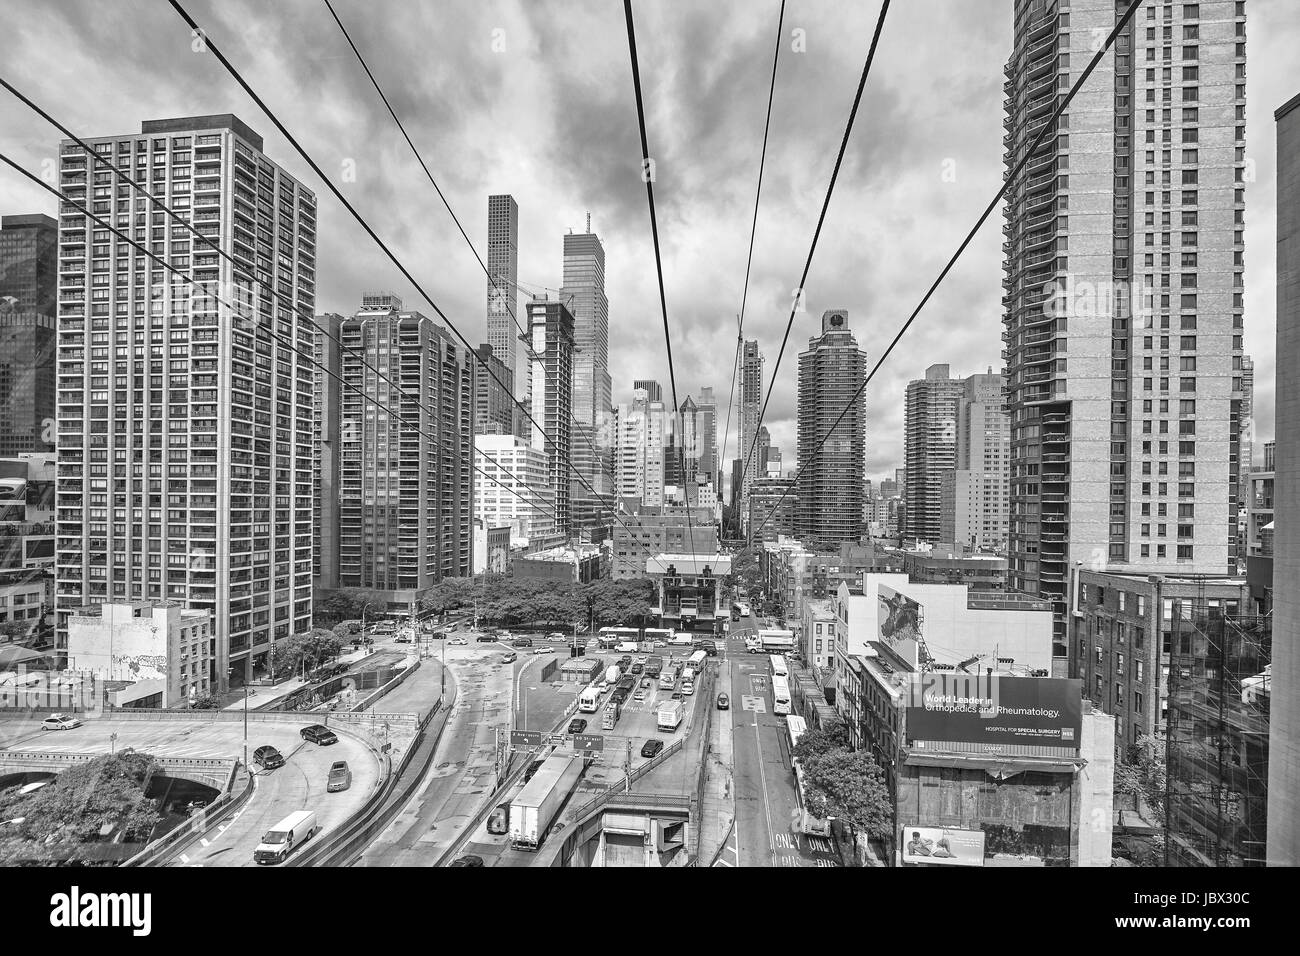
(997, 767)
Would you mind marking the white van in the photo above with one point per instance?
(589, 699)
(286, 836)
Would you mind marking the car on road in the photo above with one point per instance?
(469, 859)
(652, 748)
(459, 641)
(645, 682)
(509, 657)
(724, 702)
(577, 725)
(499, 821)
(640, 694)
(624, 662)
(319, 734)
(542, 650)
(340, 777)
(677, 695)
(638, 668)
(522, 642)
(640, 660)
(485, 639)
(268, 758)
(60, 722)
(556, 636)
(661, 644)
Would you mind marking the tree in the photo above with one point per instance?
(820, 741)
(15, 630)
(1141, 775)
(332, 606)
(205, 702)
(62, 823)
(850, 786)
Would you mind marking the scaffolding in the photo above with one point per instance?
(1217, 737)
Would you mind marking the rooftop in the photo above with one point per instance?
(718, 565)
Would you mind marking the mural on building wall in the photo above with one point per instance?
(137, 667)
(901, 618)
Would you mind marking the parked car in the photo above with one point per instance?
(522, 642)
(268, 758)
(458, 640)
(60, 722)
(509, 657)
(469, 859)
(319, 734)
(724, 702)
(652, 748)
(340, 777)
(577, 725)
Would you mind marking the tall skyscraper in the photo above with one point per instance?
(1246, 458)
(686, 436)
(1130, 271)
(550, 329)
(706, 429)
(28, 287)
(327, 447)
(187, 475)
(653, 390)
(1283, 844)
(502, 299)
(405, 497)
(830, 477)
(639, 454)
(973, 508)
(751, 404)
(930, 442)
(494, 406)
(583, 292)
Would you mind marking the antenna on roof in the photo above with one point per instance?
(588, 222)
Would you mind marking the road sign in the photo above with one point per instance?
(525, 738)
(588, 743)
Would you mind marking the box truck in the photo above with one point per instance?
(535, 808)
(669, 714)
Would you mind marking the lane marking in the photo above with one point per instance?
(767, 810)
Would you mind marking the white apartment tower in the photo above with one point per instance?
(639, 449)
(185, 429)
(974, 501)
(1123, 291)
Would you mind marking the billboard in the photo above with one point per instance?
(943, 846)
(994, 711)
(900, 617)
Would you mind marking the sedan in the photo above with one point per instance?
(556, 636)
(723, 702)
(485, 639)
(577, 725)
(468, 859)
(319, 734)
(652, 748)
(268, 758)
(60, 722)
(509, 658)
(340, 777)
(459, 641)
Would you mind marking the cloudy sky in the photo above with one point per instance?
(535, 99)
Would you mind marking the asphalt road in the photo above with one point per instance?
(767, 806)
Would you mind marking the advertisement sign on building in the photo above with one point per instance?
(901, 618)
(941, 845)
(994, 711)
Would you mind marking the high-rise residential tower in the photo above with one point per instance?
(930, 443)
(185, 426)
(1122, 293)
(973, 508)
(550, 349)
(28, 286)
(707, 431)
(407, 485)
(327, 447)
(494, 406)
(751, 403)
(832, 458)
(639, 453)
(583, 292)
(1283, 459)
(503, 319)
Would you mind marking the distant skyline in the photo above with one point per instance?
(549, 117)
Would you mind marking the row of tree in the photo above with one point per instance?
(67, 822)
(506, 601)
(845, 784)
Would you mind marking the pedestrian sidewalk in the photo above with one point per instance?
(719, 809)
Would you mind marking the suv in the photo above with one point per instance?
(638, 668)
(319, 734)
(268, 758)
(486, 639)
(577, 725)
(522, 642)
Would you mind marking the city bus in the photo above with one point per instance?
(610, 637)
(796, 726)
(780, 695)
(664, 634)
(778, 666)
